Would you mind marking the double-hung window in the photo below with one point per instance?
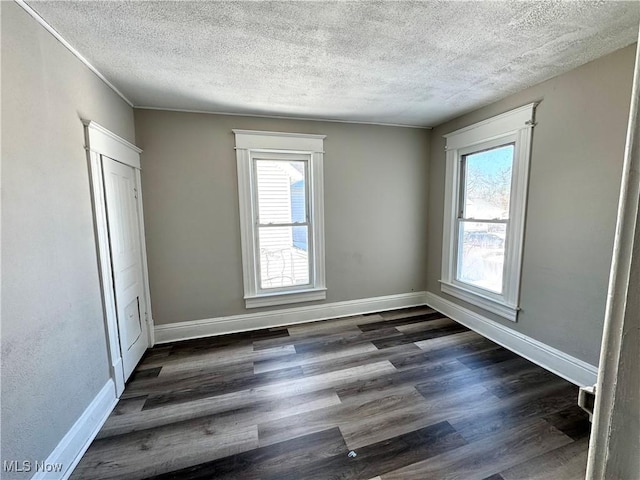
(485, 203)
(281, 216)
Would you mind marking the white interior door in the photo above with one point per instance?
(126, 260)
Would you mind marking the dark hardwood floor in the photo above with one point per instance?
(414, 394)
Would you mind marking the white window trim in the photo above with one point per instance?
(248, 141)
(514, 125)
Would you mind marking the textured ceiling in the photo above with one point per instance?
(410, 63)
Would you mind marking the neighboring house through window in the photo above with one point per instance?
(485, 202)
(298, 214)
(281, 216)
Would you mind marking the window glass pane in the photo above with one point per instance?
(481, 254)
(282, 262)
(300, 239)
(281, 191)
(487, 183)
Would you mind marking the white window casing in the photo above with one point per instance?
(513, 127)
(254, 146)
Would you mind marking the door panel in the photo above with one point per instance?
(132, 323)
(126, 260)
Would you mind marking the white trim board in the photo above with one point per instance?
(251, 147)
(100, 140)
(173, 332)
(280, 117)
(99, 143)
(77, 440)
(515, 128)
(570, 368)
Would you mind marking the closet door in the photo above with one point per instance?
(126, 260)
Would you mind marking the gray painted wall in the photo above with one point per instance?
(375, 181)
(54, 349)
(576, 166)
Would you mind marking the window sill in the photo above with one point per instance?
(282, 298)
(489, 304)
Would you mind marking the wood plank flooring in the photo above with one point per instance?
(414, 394)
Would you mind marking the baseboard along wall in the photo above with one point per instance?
(570, 368)
(67, 454)
(173, 332)
(562, 364)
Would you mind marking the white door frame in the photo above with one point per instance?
(614, 436)
(101, 142)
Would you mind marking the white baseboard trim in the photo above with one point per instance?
(173, 332)
(570, 368)
(117, 374)
(77, 440)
